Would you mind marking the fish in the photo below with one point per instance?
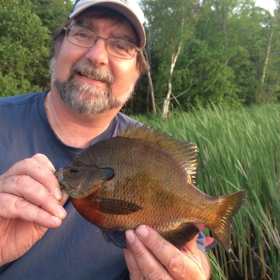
(144, 176)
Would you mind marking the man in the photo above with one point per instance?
(97, 61)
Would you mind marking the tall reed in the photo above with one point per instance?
(239, 149)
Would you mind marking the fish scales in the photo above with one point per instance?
(142, 187)
(146, 177)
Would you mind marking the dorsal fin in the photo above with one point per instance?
(183, 151)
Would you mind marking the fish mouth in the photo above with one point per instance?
(59, 174)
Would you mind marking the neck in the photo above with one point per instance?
(72, 128)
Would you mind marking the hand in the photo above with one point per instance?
(150, 256)
(30, 203)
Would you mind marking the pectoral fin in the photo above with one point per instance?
(114, 206)
(181, 235)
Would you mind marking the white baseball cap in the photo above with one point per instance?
(129, 8)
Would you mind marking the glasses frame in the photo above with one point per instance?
(66, 28)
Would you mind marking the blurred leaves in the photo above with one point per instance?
(230, 53)
(25, 43)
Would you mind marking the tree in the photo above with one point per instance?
(212, 51)
(270, 83)
(25, 29)
(170, 25)
(205, 58)
(253, 62)
(241, 38)
(53, 13)
(22, 49)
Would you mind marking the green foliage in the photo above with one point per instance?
(250, 52)
(53, 13)
(10, 85)
(170, 23)
(22, 49)
(211, 79)
(25, 29)
(230, 53)
(238, 149)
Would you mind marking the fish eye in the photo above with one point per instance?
(74, 170)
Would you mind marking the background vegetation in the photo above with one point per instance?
(238, 149)
(210, 55)
(213, 51)
(25, 29)
(224, 52)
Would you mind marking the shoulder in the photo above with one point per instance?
(124, 120)
(20, 100)
(21, 112)
(120, 122)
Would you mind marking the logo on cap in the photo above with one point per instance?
(125, 1)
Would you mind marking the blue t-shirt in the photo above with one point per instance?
(77, 249)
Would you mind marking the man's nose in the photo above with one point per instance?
(98, 53)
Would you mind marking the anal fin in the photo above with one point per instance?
(115, 236)
(181, 235)
(178, 237)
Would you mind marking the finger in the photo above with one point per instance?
(64, 197)
(179, 265)
(147, 263)
(191, 246)
(13, 207)
(40, 169)
(191, 250)
(33, 192)
(37, 168)
(43, 160)
(134, 271)
(200, 226)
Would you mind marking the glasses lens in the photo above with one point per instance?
(85, 38)
(120, 48)
(80, 36)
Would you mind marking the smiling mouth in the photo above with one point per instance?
(91, 77)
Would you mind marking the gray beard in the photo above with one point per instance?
(85, 98)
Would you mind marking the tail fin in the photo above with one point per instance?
(228, 207)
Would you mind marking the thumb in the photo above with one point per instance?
(191, 246)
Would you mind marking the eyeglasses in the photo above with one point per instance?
(85, 38)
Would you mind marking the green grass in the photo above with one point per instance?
(239, 149)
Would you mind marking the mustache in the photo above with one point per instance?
(87, 69)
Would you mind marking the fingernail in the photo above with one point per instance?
(130, 236)
(142, 231)
(56, 220)
(57, 193)
(64, 193)
(61, 213)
